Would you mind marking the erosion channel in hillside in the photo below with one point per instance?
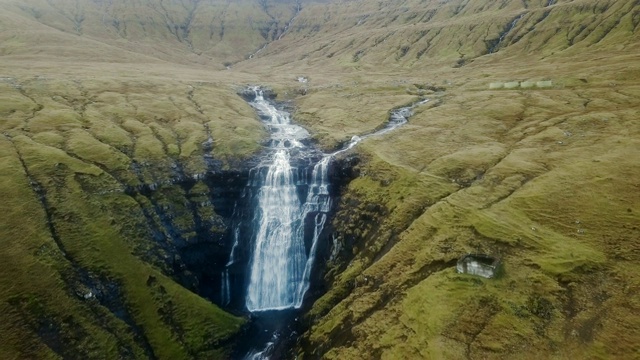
(285, 228)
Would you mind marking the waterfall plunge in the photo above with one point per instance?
(280, 266)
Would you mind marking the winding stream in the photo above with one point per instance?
(292, 202)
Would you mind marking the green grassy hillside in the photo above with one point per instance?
(394, 35)
(82, 278)
(100, 97)
(214, 33)
(543, 179)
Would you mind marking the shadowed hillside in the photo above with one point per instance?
(124, 143)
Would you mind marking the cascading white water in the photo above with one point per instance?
(225, 291)
(278, 252)
(319, 202)
(280, 266)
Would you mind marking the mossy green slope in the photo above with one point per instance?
(98, 97)
(514, 173)
(542, 178)
(69, 149)
(84, 118)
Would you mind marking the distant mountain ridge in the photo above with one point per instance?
(181, 31)
(408, 33)
(405, 33)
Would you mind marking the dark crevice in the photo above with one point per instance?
(38, 107)
(165, 146)
(429, 43)
(428, 15)
(190, 97)
(427, 269)
(271, 31)
(495, 44)
(41, 195)
(607, 30)
(169, 23)
(222, 17)
(635, 16)
(76, 19)
(109, 295)
(287, 27)
(180, 30)
(460, 7)
(207, 145)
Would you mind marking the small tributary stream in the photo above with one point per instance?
(291, 201)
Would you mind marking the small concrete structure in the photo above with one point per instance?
(480, 265)
(527, 84)
(544, 84)
(521, 84)
(511, 84)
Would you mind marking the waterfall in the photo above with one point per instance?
(319, 202)
(504, 34)
(225, 291)
(278, 251)
(280, 266)
(290, 188)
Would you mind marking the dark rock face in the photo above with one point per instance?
(199, 227)
(249, 95)
(190, 222)
(343, 170)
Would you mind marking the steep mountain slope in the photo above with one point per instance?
(188, 31)
(534, 177)
(123, 143)
(417, 34)
(104, 187)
